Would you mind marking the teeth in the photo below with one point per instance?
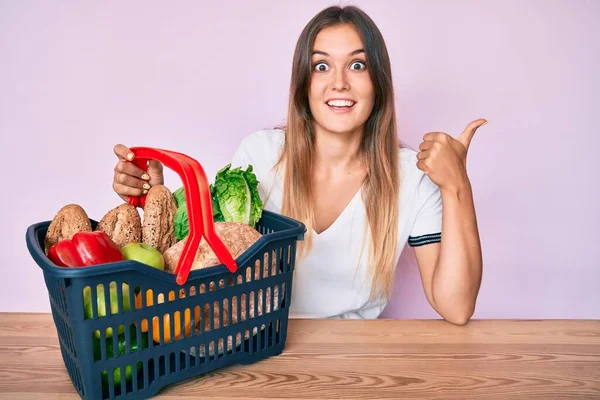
(340, 103)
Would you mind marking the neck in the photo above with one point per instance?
(337, 151)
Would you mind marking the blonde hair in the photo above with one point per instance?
(379, 149)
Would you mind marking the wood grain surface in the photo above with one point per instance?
(355, 359)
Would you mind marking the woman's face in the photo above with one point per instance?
(341, 94)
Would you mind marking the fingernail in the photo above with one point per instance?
(483, 124)
(145, 192)
(130, 156)
(145, 176)
(146, 186)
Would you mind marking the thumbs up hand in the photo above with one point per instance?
(444, 158)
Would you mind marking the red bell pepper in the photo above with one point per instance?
(84, 249)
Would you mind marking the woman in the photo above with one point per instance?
(338, 167)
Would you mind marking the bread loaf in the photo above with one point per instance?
(158, 226)
(236, 236)
(69, 220)
(122, 224)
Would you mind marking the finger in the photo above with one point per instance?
(155, 167)
(123, 190)
(125, 167)
(467, 135)
(429, 137)
(123, 152)
(421, 164)
(435, 136)
(131, 181)
(422, 155)
(425, 146)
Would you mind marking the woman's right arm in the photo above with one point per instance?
(130, 180)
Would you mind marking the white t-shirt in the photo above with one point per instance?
(333, 280)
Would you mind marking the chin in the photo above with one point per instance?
(341, 128)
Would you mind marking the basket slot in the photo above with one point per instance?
(225, 316)
(246, 343)
(248, 277)
(221, 345)
(268, 335)
(212, 355)
(260, 338)
(283, 296)
(156, 368)
(106, 310)
(244, 303)
(285, 259)
(261, 302)
(135, 380)
(182, 361)
(235, 310)
(94, 300)
(120, 308)
(272, 267)
(187, 316)
(269, 298)
(221, 317)
(131, 297)
(254, 305)
(128, 339)
(162, 370)
(169, 364)
(278, 332)
(215, 315)
(211, 317)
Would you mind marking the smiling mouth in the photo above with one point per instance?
(341, 104)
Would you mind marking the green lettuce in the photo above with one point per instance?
(180, 220)
(234, 198)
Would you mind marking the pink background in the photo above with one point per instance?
(78, 77)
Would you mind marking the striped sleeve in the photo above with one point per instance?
(427, 228)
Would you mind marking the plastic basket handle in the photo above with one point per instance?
(198, 202)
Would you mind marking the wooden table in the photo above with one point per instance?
(488, 359)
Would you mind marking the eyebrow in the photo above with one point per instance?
(355, 52)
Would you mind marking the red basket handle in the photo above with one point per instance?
(198, 202)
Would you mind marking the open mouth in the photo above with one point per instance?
(341, 105)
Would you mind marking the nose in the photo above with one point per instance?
(339, 80)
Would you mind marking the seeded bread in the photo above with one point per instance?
(122, 224)
(69, 220)
(157, 229)
(236, 236)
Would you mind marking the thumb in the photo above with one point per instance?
(467, 135)
(155, 171)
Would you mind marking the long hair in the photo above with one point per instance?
(379, 149)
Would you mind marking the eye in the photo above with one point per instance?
(358, 65)
(321, 67)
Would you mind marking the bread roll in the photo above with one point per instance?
(158, 226)
(122, 224)
(69, 220)
(236, 236)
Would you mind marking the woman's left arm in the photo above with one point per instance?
(451, 270)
